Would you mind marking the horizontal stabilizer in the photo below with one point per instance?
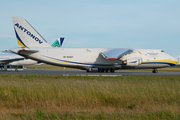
(32, 51)
(23, 51)
(115, 53)
(27, 52)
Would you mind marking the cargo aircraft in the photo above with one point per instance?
(35, 47)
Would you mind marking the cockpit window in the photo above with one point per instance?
(162, 50)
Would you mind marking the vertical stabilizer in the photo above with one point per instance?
(26, 35)
(58, 42)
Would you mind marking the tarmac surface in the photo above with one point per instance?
(76, 72)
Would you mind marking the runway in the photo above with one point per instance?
(76, 72)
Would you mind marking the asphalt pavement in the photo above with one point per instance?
(76, 72)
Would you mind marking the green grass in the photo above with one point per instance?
(88, 97)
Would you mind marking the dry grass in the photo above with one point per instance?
(44, 66)
(170, 69)
(73, 97)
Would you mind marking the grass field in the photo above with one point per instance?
(73, 97)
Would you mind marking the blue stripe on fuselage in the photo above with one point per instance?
(171, 64)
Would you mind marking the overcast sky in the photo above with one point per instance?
(97, 23)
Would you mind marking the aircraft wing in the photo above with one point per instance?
(115, 53)
(10, 60)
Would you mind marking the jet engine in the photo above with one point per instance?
(133, 62)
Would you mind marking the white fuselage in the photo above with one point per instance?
(85, 58)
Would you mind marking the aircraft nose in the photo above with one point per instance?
(175, 60)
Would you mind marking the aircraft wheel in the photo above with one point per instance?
(112, 70)
(155, 71)
(107, 70)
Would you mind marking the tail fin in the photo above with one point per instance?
(58, 42)
(26, 35)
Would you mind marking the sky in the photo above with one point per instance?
(145, 24)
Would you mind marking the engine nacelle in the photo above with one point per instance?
(133, 62)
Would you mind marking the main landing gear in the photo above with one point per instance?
(155, 71)
(101, 70)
